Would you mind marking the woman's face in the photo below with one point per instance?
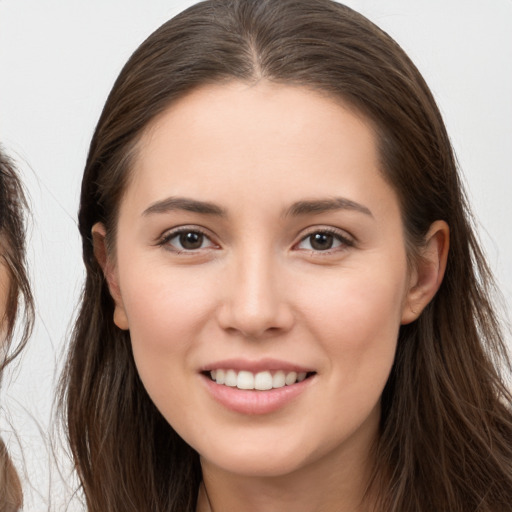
(258, 241)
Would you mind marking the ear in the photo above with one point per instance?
(99, 240)
(428, 274)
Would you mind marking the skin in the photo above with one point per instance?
(258, 288)
(4, 295)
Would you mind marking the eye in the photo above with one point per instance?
(184, 240)
(324, 240)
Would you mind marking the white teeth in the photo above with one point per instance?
(260, 381)
(231, 379)
(245, 380)
(220, 376)
(279, 379)
(291, 378)
(263, 381)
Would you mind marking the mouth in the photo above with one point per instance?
(257, 387)
(256, 381)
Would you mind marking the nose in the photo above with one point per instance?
(255, 303)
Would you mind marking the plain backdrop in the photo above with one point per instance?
(58, 61)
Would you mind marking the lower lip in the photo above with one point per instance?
(255, 402)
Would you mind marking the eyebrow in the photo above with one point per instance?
(325, 205)
(184, 203)
(295, 210)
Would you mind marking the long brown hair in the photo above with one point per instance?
(446, 430)
(19, 299)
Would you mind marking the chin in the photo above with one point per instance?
(260, 467)
(271, 459)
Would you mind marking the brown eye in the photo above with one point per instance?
(321, 241)
(187, 240)
(191, 240)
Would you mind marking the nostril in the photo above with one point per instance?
(255, 315)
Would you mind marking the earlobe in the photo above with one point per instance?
(99, 234)
(429, 272)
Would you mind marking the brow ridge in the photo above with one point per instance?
(184, 203)
(299, 208)
(325, 205)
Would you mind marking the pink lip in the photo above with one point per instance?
(255, 366)
(253, 402)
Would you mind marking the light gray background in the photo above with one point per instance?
(58, 60)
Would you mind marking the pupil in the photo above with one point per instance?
(191, 240)
(321, 241)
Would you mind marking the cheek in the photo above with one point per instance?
(166, 316)
(166, 311)
(356, 319)
(356, 322)
(359, 305)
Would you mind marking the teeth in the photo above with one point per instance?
(291, 378)
(220, 376)
(279, 379)
(263, 381)
(231, 379)
(260, 381)
(245, 380)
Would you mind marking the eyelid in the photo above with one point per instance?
(347, 240)
(164, 239)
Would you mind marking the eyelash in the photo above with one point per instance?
(167, 237)
(344, 241)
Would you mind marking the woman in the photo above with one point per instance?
(285, 304)
(13, 287)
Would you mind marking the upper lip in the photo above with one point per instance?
(259, 365)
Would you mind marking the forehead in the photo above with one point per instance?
(242, 139)
(254, 106)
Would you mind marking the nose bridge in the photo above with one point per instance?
(255, 303)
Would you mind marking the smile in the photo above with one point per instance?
(260, 381)
(256, 392)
